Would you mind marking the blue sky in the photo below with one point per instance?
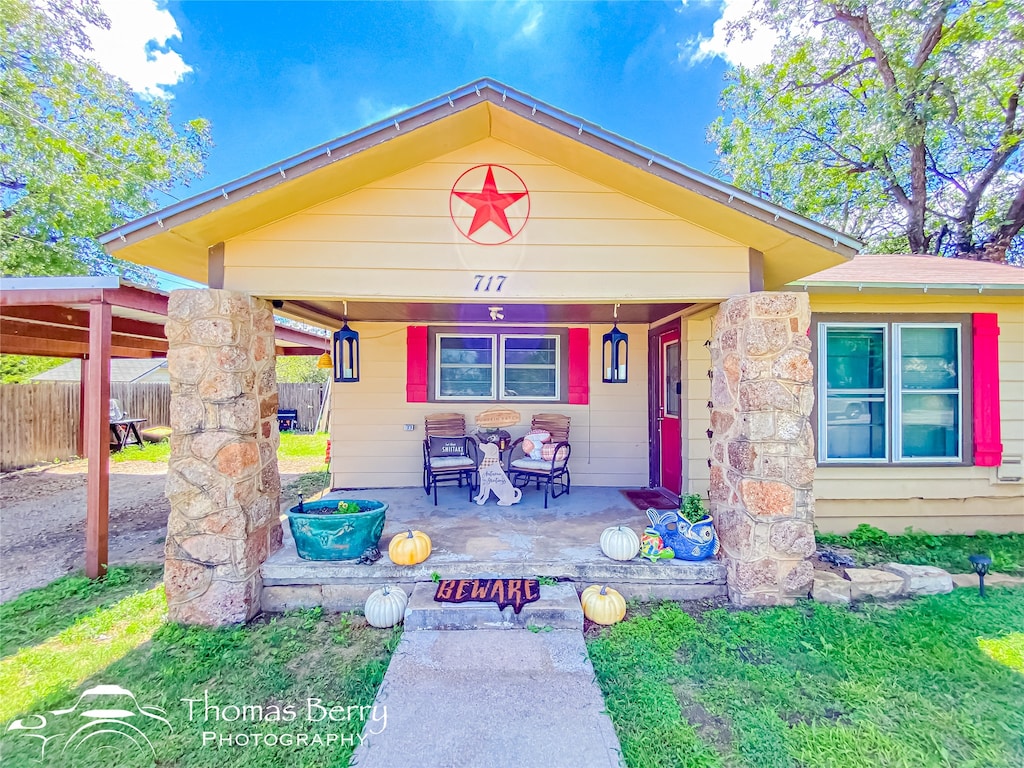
(275, 78)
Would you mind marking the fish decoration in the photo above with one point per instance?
(653, 548)
(689, 541)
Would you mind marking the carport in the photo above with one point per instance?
(94, 319)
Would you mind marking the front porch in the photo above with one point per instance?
(471, 541)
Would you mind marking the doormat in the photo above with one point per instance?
(504, 592)
(648, 498)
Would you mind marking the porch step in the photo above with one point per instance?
(558, 608)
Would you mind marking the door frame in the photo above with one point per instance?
(654, 374)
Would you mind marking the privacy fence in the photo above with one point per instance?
(39, 421)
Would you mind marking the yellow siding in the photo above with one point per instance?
(937, 499)
(394, 238)
(370, 449)
(696, 446)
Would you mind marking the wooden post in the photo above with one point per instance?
(82, 389)
(97, 439)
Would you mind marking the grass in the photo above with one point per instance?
(926, 683)
(871, 546)
(294, 445)
(114, 633)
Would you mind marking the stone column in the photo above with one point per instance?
(222, 477)
(762, 447)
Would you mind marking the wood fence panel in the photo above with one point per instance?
(38, 422)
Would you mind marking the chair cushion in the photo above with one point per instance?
(547, 452)
(532, 465)
(451, 462)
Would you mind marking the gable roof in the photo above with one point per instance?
(177, 238)
(122, 370)
(905, 271)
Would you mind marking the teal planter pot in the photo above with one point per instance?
(337, 537)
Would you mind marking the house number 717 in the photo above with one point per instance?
(486, 283)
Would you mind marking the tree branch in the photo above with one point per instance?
(932, 34)
(835, 75)
(859, 23)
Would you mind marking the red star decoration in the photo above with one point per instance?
(490, 204)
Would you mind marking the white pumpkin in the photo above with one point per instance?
(620, 542)
(386, 607)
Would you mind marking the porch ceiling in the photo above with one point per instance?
(332, 312)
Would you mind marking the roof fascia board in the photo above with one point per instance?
(498, 93)
(939, 288)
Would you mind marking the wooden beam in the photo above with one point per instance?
(28, 330)
(136, 298)
(97, 438)
(19, 345)
(215, 266)
(76, 318)
(83, 387)
(50, 296)
(300, 350)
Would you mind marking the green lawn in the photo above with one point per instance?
(872, 545)
(936, 681)
(294, 445)
(74, 634)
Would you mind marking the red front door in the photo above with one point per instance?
(669, 410)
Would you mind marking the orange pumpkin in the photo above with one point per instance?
(409, 548)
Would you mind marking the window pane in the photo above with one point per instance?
(672, 396)
(530, 367)
(466, 367)
(929, 358)
(930, 426)
(855, 358)
(855, 427)
(519, 351)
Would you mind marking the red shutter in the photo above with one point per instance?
(579, 365)
(988, 449)
(416, 364)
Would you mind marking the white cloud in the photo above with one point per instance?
(135, 48)
(736, 49)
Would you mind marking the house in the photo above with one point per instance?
(482, 245)
(122, 370)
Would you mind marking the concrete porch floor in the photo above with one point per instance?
(473, 541)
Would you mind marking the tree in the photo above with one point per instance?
(300, 369)
(79, 152)
(898, 121)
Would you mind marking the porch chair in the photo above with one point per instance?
(553, 469)
(449, 454)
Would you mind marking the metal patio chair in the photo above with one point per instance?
(552, 472)
(449, 454)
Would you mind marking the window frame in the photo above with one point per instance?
(892, 323)
(502, 367)
(438, 365)
(560, 334)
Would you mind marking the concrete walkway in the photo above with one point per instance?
(490, 698)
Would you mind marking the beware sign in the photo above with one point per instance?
(504, 592)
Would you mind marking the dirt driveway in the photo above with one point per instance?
(42, 519)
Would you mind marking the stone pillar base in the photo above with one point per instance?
(762, 448)
(222, 477)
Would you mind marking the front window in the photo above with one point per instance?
(890, 392)
(505, 366)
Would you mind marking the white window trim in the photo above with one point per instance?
(438, 366)
(897, 388)
(557, 366)
(823, 329)
(893, 393)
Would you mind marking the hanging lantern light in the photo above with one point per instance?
(615, 353)
(324, 361)
(346, 352)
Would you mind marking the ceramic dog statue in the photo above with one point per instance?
(689, 541)
(493, 479)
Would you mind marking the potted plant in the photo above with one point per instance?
(690, 532)
(333, 529)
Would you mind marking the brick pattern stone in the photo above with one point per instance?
(762, 447)
(222, 478)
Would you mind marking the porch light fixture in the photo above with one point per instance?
(615, 353)
(324, 361)
(980, 564)
(346, 352)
